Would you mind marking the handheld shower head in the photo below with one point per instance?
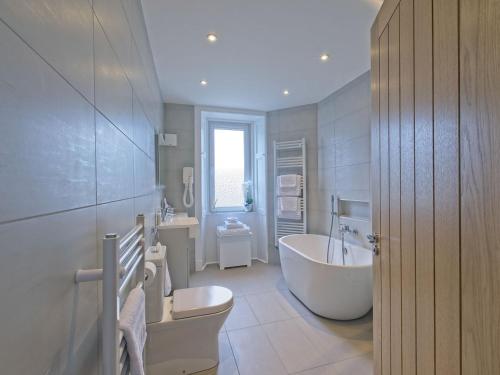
(332, 201)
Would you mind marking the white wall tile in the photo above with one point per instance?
(353, 151)
(113, 93)
(151, 142)
(353, 177)
(179, 119)
(47, 141)
(352, 97)
(144, 173)
(115, 162)
(48, 169)
(344, 146)
(354, 124)
(61, 32)
(111, 16)
(47, 315)
(141, 125)
(146, 205)
(115, 217)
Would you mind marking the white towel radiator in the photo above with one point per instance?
(290, 157)
(122, 257)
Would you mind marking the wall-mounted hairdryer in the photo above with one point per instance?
(187, 180)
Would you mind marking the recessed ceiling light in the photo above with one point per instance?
(324, 57)
(212, 38)
(203, 82)
(286, 92)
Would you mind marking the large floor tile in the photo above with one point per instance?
(258, 278)
(241, 315)
(227, 363)
(337, 341)
(322, 370)
(270, 307)
(286, 297)
(272, 332)
(253, 352)
(362, 365)
(296, 351)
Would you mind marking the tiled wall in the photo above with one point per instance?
(286, 125)
(343, 153)
(179, 119)
(79, 105)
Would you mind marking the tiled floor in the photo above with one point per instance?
(270, 332)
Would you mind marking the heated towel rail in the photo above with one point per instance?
(121, 258)
(290, 157)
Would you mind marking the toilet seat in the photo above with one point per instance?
(193, 302)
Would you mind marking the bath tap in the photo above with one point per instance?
(343, 229)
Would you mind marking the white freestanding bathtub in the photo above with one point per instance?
(331, 289)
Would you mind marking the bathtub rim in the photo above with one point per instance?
(281, 242)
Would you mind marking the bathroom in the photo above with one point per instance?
(234, 187)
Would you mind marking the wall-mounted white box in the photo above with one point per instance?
(166, 139)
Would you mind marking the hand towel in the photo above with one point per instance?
(168, 280)
(289, 192)
(289, 208)
(289, 185)
(133, 325)
(288, 181)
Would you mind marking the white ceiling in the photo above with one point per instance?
(264, 47)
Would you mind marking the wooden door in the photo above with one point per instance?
(415, 188)
(386, 197)
(480, 185)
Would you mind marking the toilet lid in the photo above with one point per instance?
(191, 302)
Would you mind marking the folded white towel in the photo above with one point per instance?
(223, 231)
(289, 192)
(168, 280)
(285, 186)
(288, 203)
(235, 225)
(289, 208)
(133, 325)
(289, 181)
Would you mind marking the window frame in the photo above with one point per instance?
(233, 125)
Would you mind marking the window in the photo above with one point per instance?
(229, 165)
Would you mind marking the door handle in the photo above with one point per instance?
(373, 239)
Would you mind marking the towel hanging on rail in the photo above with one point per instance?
(133, 325)
(288, 180)
(289, 185)
(289, 208)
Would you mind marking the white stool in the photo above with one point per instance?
(234, 247)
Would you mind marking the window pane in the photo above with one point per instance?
(229, 167)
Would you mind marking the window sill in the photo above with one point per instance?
(231, 212)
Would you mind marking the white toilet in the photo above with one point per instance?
(182, 329)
